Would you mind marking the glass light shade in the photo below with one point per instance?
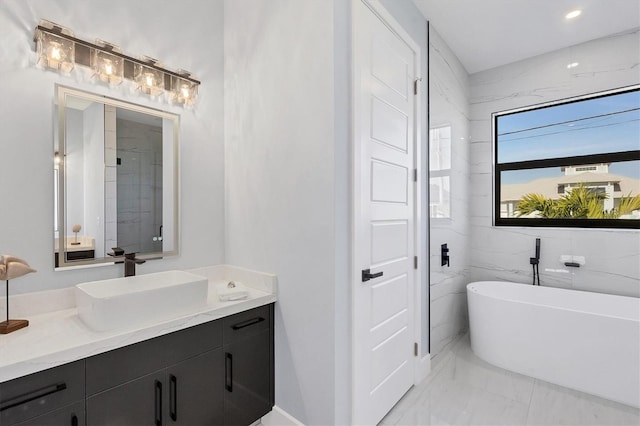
(183, 91)
(107, 66)
(148, 79)
(55, 51)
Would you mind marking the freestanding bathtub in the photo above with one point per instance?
(584, 341)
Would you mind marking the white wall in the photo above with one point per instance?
(449, 107)
(612, 256)
(287, 118)
(187, 34)
(93, 138)
(75, 163)
(279, 125)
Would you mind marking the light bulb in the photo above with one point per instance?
(148, 79)
(185, 91)
(573, 14)
(55, 53)
(108, 68)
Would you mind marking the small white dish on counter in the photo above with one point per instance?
(119, 302)
(233, 290)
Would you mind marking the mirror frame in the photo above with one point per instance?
(62, 92)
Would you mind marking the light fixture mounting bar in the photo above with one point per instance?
(58, 33)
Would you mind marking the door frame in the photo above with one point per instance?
(421, 365)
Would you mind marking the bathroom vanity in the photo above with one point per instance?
(215, 367)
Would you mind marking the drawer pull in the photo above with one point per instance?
(247, 323)
(158, 403)
(32, 396)
(173, 397)
(228, 372)
(74, 420)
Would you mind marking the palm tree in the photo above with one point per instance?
(580, 203)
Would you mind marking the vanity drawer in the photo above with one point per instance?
(247, 324)
(118, 366)
(71, 415)
(39, 393)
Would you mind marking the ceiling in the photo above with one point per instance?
(488, 33)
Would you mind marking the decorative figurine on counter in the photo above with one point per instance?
(76, 228)
(12, 267)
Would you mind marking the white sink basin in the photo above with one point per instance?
(122, 302)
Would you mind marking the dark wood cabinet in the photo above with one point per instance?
(248, 350)
(71, 415)
(132, 403)
(187, 393)
(24, 399)
(194, 395)
(217, 373)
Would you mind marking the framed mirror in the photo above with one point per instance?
(115, 180)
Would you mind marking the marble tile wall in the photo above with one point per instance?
(449, 108)
(612, 256)
(110, 180)
(138, 209)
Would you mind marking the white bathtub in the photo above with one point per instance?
(584, 341)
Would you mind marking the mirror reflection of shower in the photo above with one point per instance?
(139, 181)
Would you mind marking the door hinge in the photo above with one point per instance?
(415, 349)
(415, 175)
(415, 262)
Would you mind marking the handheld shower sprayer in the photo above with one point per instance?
(535, 262)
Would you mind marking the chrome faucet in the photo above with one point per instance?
(130, 262)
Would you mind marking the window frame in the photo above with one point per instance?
(498, 168)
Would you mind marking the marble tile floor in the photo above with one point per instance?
(464, 390)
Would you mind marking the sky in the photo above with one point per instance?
(593, 126)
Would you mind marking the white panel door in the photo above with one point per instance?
(384, 240)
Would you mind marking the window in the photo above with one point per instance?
(440, 172)
(574, 163)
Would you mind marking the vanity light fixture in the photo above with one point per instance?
(573, 14)
(148, 77)
(58, 48)
(107, 65)
(187, 90)
(55, 48)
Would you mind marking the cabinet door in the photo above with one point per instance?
(39, 393)
(71, 415)
(248, 383)
(194, 391)
(136, 403)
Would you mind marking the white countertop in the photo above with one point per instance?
(58, 337)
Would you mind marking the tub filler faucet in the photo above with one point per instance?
(535, 263)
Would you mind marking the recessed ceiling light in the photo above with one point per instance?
(573, 14)
(573, 65)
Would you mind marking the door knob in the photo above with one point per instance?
(367, 275)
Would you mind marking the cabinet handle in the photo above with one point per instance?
(158, 403)
(228, 372)
(32, 396)
(74, 420)
(247, 323)
(173, 397)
